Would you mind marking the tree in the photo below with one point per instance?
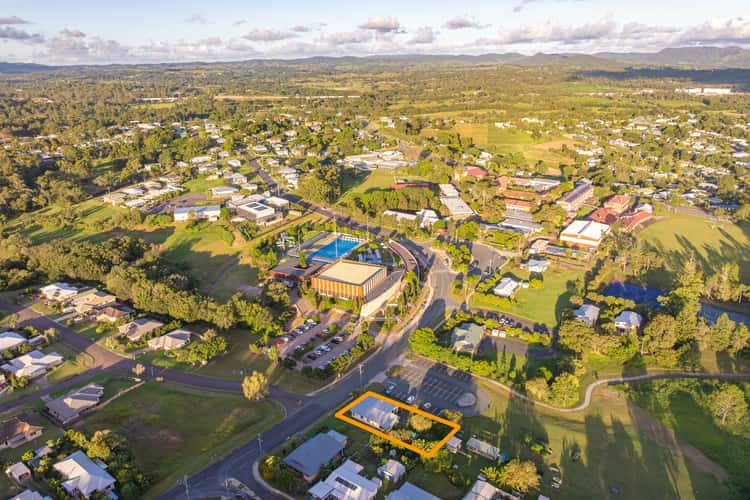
(302, 259)
(138, 370)
(575, 336)
(537, 388)
(564, 390)
(728, 404)
(12, 320)
(273, 354)
(519, 476)
(420, 423)
(255, 386)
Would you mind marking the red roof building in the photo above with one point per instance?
(631, 221)
(603, 216)
(618, 203)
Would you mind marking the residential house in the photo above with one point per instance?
(506, 287)
(466, 337)
(520, 205)
(92, 299)
(376, 413)
(82, 476)
(69, 407)
(482, 490)
(11, 340)
(584, 233)
(58, 291)
(202, 212)
(587, 313)
(33, 364)
(483, 448)
(135, 330)
(628, 320)
(18, 472)
(17, 431)
(392, 471)
(320, 450)
(477, 173)
(223, 191)
(30, 495)
(258, 213)
(536, 265)
(408, 491)
(112, 314)
(346, 483)
(175, 339)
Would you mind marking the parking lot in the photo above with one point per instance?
(313, 335)
(425, 383)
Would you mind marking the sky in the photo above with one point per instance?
(152, 31)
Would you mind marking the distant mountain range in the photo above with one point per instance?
(679, 57)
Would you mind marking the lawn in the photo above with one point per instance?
(541, 305)
(676, 237)
(166, 444)
(675, 406)
(618, 449)
(75, 363)
(238, 362)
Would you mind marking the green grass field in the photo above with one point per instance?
(676, 237)
(544, 305)
(174, 430)
(240, 361)
(618, 449)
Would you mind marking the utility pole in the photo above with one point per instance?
(360, 376)
(260, 446)
(187, 488)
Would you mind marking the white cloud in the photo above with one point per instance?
(347, 38)
(18, 35)
(459, 23)
(382, 24)
(552, 31)
(13, 20)
(239, 22)
(725, 31)
(423, 36)
(73, 33)
(267, 35)
(196, 19)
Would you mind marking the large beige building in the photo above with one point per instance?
(347, 279)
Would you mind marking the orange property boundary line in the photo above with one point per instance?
(341, 415)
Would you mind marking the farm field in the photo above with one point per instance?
(543, 305)
(165, 443)
(676, 237)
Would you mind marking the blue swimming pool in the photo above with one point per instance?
(339, 248)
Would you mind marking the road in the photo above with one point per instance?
(238, 464)
(108, 361)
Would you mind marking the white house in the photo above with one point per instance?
(536, 265)
(628, 320)
(11, 340)
(208, 212)
(376, 413)
(175, 339)
(223, 191)
(392, 471)
(82, 476)
(587, 313)
(33, 364)
(346, 483)
(507, 287)
(58, 291)
(584, 233)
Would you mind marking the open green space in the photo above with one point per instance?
(75, 363)
(677, 405)
(541, 305)
(712, 243)
(174, 430)
(618, 448)
(238, 362)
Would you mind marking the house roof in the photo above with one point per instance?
(14, 426)
(172, 340)
(83, 474)
(30, 364)
(483, 446)
(588, 312)
(393, 467)
(67, 407)
(377, 411)
(506, 287)
(482, 490)
(629, 318)
(30, 495)
(314, 453)
(467, 333)
(11, 340)
(139, 327)
(17, 470)
(345, 482)
(408, 491)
